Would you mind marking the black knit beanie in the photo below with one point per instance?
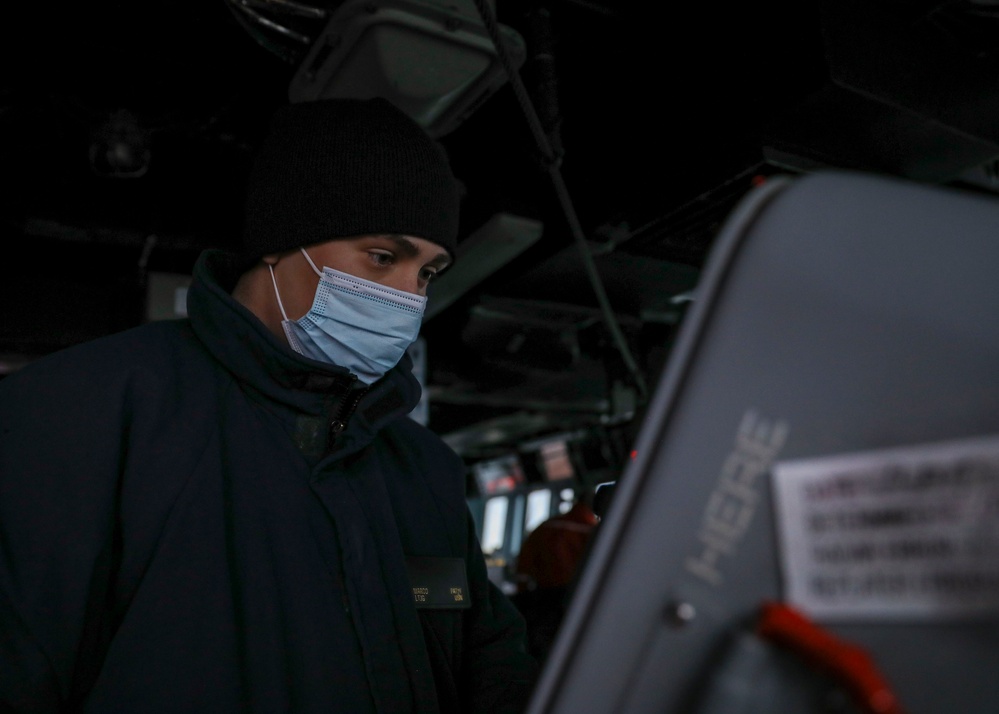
(337, 168)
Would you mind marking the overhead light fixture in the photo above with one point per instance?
(433, 60)
(119, 147)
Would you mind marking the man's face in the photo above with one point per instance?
(401, 262)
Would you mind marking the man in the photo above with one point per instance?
(233, 512)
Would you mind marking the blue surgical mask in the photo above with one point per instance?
(354, 323)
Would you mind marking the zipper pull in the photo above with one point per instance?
(336, 426)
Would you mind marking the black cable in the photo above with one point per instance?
(552, 162)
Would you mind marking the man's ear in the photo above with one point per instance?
(271, 259)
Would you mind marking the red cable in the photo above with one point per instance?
(849, 664)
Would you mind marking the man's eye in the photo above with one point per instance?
(381, 258)
(429, 274)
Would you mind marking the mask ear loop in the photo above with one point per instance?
(317, 270)
(276, 293)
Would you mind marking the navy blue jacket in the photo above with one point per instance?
(184, 527)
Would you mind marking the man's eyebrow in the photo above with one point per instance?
(404, 245)
(409, 250)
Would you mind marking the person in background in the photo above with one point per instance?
(232, 512)
(551, 553)
(546, 568)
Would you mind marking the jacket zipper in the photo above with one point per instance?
(347, 406)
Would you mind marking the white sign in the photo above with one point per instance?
(902, 533)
